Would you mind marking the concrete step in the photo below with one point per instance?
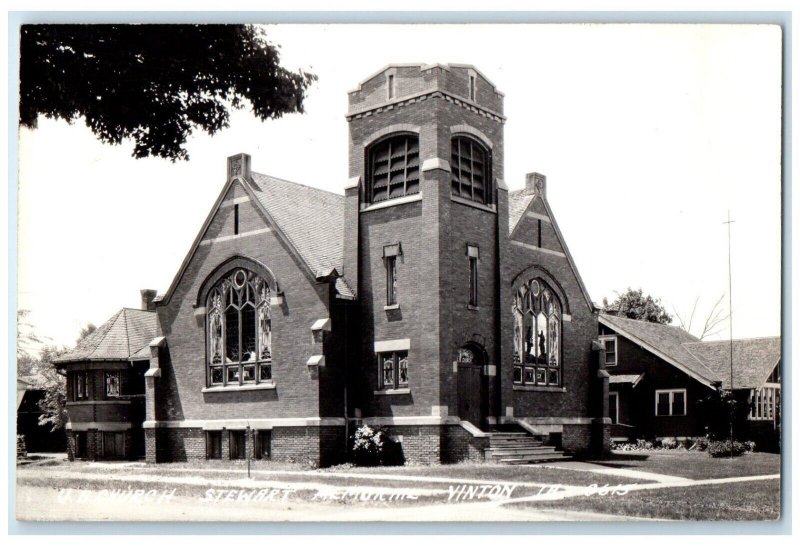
(533, 459)
(535, 449)
(528, 443)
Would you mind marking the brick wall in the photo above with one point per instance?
(576, 438)
(459, 445)
(179, 389)
(433, 274)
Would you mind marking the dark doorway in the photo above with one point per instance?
(471, 359)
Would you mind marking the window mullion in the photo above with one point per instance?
(224, 341)
(241, 340)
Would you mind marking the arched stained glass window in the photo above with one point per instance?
(537, 335)
(393, 168)
(469, 169)
(239, 326)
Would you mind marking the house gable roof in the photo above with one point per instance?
(753, 359)
(665, 341)
(119, 338)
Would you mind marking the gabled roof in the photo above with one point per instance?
(665, 341)
(753, 359)
(311, 219)
(119, 338)
(519, 202)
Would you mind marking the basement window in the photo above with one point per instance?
(214, 444)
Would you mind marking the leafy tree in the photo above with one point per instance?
(54, 403)
(153, 83)
(85, 331)
(27, 339)
(635, 305)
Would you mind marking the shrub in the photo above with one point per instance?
(701, 444)
(373, 447)
(726, 448)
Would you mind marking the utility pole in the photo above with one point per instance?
(730, 326)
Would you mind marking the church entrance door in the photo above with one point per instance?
(471, 359)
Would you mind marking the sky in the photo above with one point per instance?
(649, 135)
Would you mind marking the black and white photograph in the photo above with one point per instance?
(398, 272)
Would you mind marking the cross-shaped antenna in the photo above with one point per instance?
(730, 292)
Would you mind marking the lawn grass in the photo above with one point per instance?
(756, 500)
(217, 469)
(495, 472)
(694, 465)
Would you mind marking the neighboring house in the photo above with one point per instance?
(105, 385)
(38, 438)
(427, 299)
(659, 375)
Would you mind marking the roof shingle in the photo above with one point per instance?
(311, 219)
(753, 359)
(518, 201)
(119, 338)
(669, 340)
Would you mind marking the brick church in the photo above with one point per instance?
(428, 299)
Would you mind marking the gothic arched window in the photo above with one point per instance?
(239, 330)
(393, 168)
(537, 335)
(469, 169)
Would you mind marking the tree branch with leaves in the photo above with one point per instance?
(154, 84)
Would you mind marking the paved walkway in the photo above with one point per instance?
(580, 466)
(47, 502)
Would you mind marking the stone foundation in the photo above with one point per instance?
(321, 446)
(314, 446)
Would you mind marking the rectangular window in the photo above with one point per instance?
(236, 444)
(613, 407)
(671, 402)
(765, 403)
(390, 254)
(391, 280)
(261, 444)
(80, 386)
(472, 87)
(214, 444)
(472, 256)
(112, 384)
(393, 370)
(390, 86)
(610, 343)
(236, 219)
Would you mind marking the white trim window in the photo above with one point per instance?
(611, 350)
(671, 403)
(765, 403)
(613, 407)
